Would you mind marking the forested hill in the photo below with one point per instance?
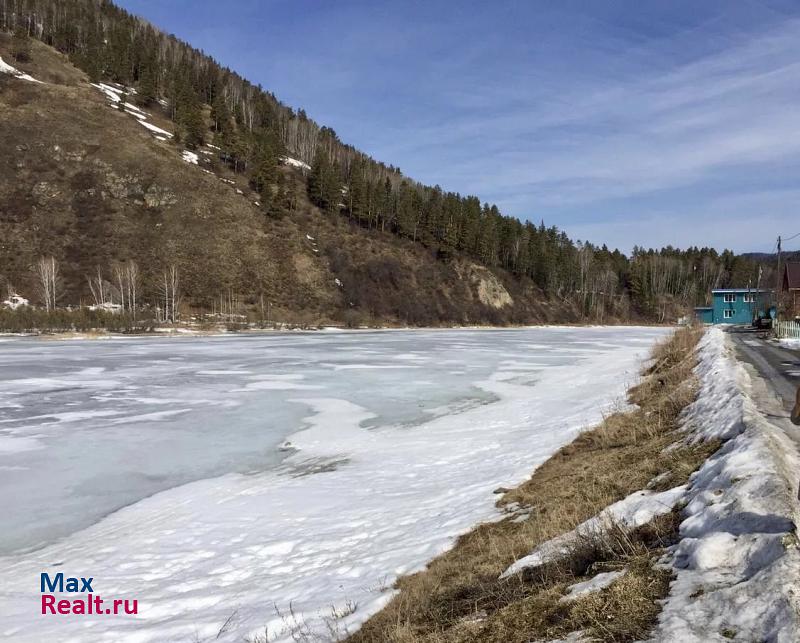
(390, 248)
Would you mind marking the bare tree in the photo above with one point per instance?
(169, 294)
(47, 272)
(101, 289)
(126, 276)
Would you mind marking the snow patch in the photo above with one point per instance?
(114, 95)
(189, 157)
(288, 160)
(790, 343)
(601, 581)
(635, 510)
(15, 301)
(5, 68)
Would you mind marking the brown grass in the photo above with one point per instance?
(460, 598)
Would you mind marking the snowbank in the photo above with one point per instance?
(737, 563)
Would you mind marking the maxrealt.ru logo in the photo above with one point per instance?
(87, 603)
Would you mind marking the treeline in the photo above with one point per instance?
(208, 102)
(251, 126)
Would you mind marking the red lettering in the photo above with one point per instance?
(135, 609)
(117, 603)
(48, 603)
(64, 606)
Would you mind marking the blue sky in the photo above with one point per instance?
(624, 123)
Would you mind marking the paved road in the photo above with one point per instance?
(779, 366)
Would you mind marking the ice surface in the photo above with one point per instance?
(161, 466)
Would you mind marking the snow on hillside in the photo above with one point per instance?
(5, 68)
(288, 160)
(189, 157)
(114, 95)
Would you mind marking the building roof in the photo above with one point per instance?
(724, 290)
(704, 308)
(792, 274)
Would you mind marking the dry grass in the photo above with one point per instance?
(460, 597)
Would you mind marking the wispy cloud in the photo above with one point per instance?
(623, 122)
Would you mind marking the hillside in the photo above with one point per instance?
(88, 185)
(227, 200)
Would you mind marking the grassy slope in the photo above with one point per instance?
(459, 597)
(81, 179)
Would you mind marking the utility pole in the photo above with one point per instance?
(778, 284)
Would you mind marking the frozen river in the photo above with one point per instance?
(208, 477)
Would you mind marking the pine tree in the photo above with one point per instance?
(148, 83)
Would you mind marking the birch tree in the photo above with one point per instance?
(99, 288)
(169, 293)
(47, 273)
(126, 276)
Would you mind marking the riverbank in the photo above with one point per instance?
(254, 470)
(672, 521)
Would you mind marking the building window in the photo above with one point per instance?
(729, 298)
(727, 314)
(748, 298)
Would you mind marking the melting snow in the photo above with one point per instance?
(288, 160)
(601, 581)
(736, 564)
(189, 157)
(5, 68)
(15, 301)
(633, 511)
(114, 95)
(790, 343)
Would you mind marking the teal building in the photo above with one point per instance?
(734, 306)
